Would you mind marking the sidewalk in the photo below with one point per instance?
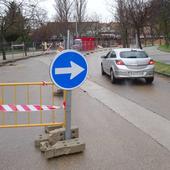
(112, 142)
(157, 54)
(20, 56)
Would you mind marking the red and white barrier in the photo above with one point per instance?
(26, 108)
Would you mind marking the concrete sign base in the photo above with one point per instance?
(48, 129)
(53, 144)
(55, 135)
(61, 148)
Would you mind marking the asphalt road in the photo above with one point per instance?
(154, 97)
(112, 143)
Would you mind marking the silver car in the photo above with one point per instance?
(128, 63)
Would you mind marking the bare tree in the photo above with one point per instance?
(138, 12)
(80, 6)
(123, 19)
(63, 10)
(94, 26)
(132, 15)
(80, 14)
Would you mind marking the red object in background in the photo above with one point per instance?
(88, 43)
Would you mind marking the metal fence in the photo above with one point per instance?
(19, 50)
(29, 105)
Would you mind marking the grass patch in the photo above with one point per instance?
(162, 68)
(165, 48)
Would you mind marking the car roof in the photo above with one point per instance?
(118, 50)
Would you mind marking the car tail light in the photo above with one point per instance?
(151, 62)
(119, 62)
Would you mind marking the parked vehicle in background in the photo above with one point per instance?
(77, 45)
(84, 44)
(128, 63)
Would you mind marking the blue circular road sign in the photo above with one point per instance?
(68, 70)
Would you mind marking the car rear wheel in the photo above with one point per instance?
(149, 80)
(112, 77)
(102, 70)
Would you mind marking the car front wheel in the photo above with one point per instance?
(149, 80)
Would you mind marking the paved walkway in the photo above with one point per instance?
(20, 56)
(144, 119)
(158, 55)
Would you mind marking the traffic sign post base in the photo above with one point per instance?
(48, 129)
(65, 147)
(41, 138)
(55, 135)
(54, 144)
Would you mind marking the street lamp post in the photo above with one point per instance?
(76, 26)
(76, 30)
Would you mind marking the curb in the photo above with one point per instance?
(163, 74)
(98, 50)
(165, 51)
(3, 63)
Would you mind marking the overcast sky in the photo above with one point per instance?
(94, 6)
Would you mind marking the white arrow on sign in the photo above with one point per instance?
(74, 70)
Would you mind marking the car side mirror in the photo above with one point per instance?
(103, 56)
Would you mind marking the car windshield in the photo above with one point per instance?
(133, 54)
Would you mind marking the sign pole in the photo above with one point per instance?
(68, 115)
(68, 102)
(68, 71)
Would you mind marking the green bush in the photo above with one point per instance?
(162, 68)
(165, 48)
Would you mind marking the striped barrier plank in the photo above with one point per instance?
(26, 108)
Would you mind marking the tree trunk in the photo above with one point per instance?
(159, 36)
(160, 40)
(152, 36)
(2, 50)
(145, 41)
(166, 33)
(126, 38)
(4, 54)
(25, 49)
(123, 40)
(138, 38)
(2, 40)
